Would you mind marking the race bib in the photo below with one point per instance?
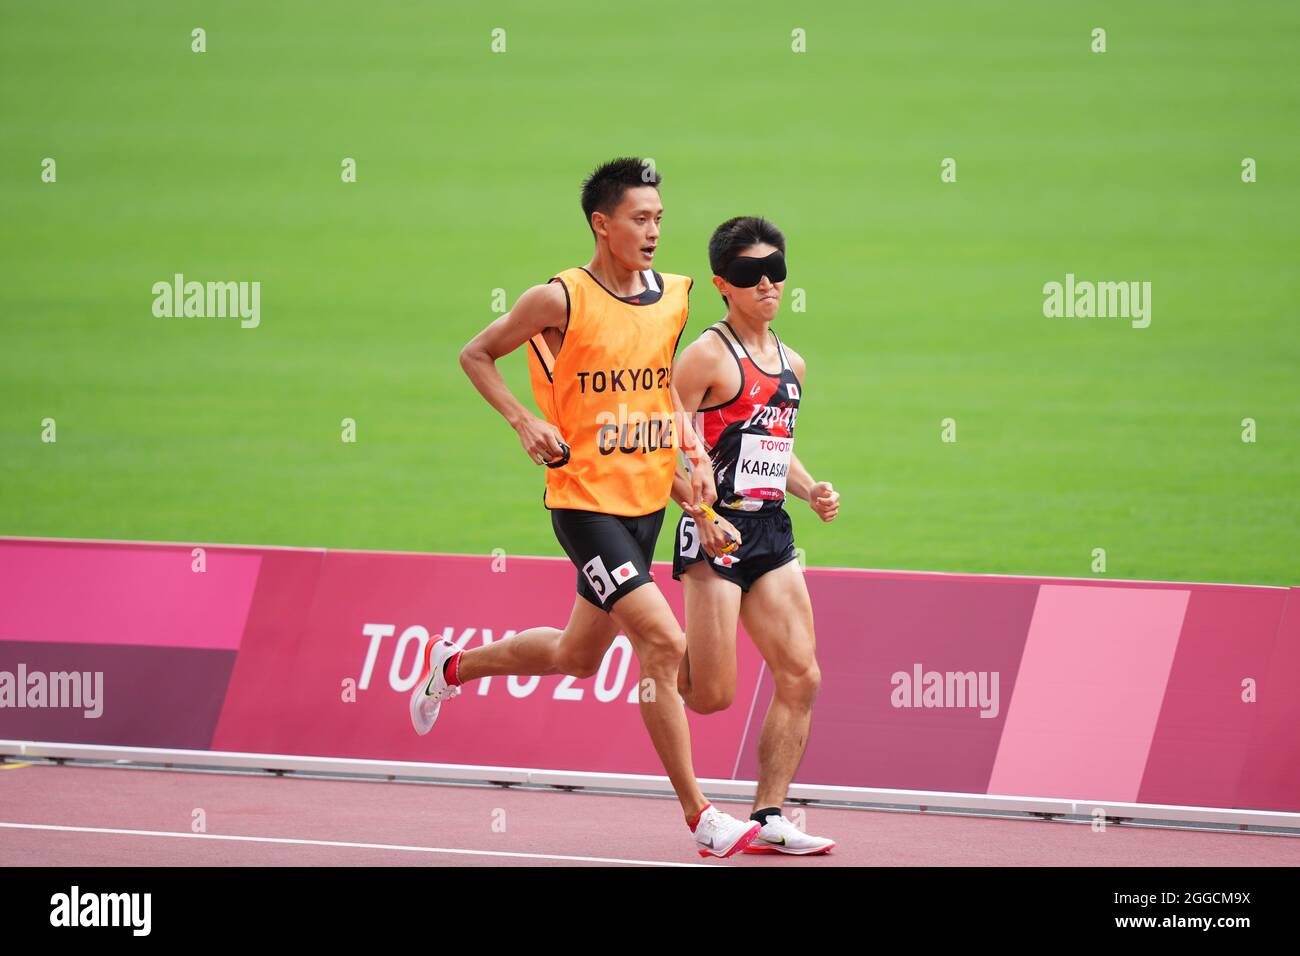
(762, 466)
(688, 538)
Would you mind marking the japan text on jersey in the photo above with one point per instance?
(751, 437)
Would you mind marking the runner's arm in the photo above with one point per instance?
(800, 481)
(541, 307)
(703, 489)
(692, 374)
(821, 497)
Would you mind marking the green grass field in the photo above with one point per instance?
(924, 299)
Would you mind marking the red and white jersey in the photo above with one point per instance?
(751, 437)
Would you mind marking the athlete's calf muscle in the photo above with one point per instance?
(585, 640)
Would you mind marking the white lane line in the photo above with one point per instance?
(339, 843)
(749, 719)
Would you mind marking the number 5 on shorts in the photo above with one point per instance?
(689, 538)
(598, 577)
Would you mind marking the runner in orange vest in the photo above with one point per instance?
(601, 341)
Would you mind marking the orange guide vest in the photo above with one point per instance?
(608, 394)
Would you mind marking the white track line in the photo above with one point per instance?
(339, 843)
(749, 719)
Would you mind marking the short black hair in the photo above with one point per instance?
(603, 190)
(736, 235)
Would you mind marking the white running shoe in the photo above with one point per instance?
(779, 835)
(432, 689)
(720, 834)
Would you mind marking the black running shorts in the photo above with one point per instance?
(612, 553)
(767, 542)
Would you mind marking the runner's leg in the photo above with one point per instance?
(576, 650)
(648, 621)
(707, 679)
(777, 613)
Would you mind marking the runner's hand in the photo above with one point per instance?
(541, 439)
(824, 500)
(714, 541)
(712, 538)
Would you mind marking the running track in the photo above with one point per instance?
(90, 816)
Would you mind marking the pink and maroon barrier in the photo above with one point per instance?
(1109, 691)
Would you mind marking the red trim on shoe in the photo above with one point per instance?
(696, 822)
(777, 850)
(451, 669)
(745, 840)
(428, 665)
